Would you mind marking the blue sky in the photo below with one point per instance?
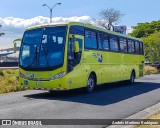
(136, 11)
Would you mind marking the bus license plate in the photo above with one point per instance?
(39, 83)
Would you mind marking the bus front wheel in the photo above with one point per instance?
(91, 83)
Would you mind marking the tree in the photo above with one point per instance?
(152, 47)
(145, 29)
(108, 17)
(2, 32)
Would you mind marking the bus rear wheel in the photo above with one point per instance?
(132, 78)
(91, 83)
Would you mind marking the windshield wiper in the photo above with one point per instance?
(45, 53)
(35, 58)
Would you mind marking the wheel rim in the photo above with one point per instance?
(132, 78)
(90, 83)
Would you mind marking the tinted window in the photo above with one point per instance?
(79, 30)
(103, 41)
(94, 40)
(141, 48)
(90, 39)
(113, 43)
(131, 46)
(100, 40)
(43, 48)
(137, 47)
(123, 44)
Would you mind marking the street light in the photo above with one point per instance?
(51, 10)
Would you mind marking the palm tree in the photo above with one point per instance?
(1, 32)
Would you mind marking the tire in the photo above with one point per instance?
(91, 83)
(132, 78)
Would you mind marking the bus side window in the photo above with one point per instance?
(123, 44)
(77, 30)
(113, 43)
(141, 48)
(105, 42)
(100, 41)
(131, 48)
(94, 40)
(137, 48)
(90, 39)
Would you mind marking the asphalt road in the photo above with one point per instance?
(110, 101)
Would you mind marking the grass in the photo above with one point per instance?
(9, 81)
(157, 116)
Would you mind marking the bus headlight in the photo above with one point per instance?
(58, 76)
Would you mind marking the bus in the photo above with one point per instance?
(71, 55)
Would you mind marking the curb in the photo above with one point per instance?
(144, 114)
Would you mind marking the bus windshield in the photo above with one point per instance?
(43, 48)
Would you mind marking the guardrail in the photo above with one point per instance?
(8, 64)
(8, 68)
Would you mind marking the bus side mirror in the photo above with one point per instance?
(76, 47)
(15, 47)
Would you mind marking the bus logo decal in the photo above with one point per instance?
(25, 82)
(98, 57)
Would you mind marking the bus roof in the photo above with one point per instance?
(88, 25)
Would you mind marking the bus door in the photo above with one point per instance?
(74, 67)
(74, 54)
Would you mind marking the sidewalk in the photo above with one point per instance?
(144, 114)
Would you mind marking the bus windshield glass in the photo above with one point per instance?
(43, 48)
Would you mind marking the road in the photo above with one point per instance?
(110, 101)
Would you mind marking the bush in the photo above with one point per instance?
(1, 73)
(150, 70)
(9, 81)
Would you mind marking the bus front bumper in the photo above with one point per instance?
(56, 85)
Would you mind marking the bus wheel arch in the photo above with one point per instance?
(95, 76)
(91, 82)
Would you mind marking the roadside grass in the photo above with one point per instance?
(9, 81)
(150, 70)
(157, 116)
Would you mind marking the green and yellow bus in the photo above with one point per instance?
(65, 56)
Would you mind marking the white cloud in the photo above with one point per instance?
(23, 23)
(14, 27)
